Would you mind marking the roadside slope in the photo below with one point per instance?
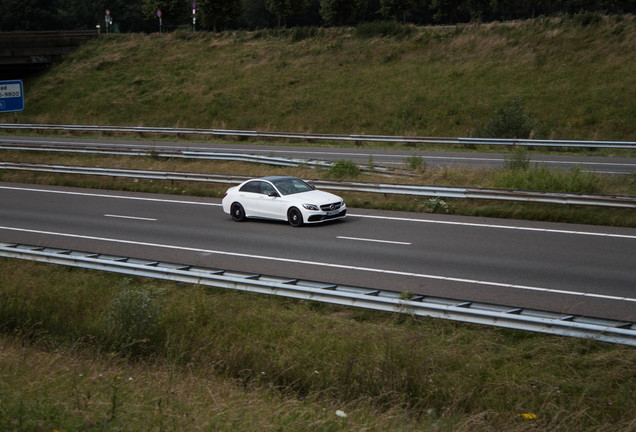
(574, 81)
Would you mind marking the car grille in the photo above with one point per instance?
(330, 207)
(319, 217)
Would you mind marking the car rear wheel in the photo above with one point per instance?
(238, 214)
(295, 217)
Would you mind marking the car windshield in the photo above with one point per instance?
(288, 186)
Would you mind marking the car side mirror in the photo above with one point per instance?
(273, 194)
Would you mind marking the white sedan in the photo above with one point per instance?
(283, 198)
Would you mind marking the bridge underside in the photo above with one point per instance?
(25, 53)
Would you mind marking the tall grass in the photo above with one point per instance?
(402, 370)
(545, 179)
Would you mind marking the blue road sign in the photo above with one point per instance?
(11, 96)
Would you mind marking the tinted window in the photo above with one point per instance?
(267, 188)
(253, 186)
(290, 186)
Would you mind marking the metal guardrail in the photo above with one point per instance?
(620, 332)
(326, 137)
(185, 154)
(382, 188)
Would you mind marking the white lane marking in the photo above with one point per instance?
(97, 195)
(325, 264)
(374, 240)
(130, 217)
(391, 218)
(510, 227)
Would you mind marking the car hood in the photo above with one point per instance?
(315, 197)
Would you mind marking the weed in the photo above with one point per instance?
(416, 163)
(436, 205)
(545, 179)
(518, 159)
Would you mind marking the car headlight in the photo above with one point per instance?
(311, 207)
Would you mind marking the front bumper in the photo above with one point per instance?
(320, 217)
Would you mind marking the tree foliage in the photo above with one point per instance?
(219, 14)
(141, 15)
(283, 9)
(397, 9)
(340, 12)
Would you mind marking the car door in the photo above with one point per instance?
(271, 204)
(249, 196)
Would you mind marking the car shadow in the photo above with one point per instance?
(305, 225)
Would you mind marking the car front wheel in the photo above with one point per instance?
(238, 214)
(295, 217)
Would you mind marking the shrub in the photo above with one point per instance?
(344, 168)
(511, 121)
(133, 320)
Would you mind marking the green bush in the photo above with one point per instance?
(344, 169)
(512, 121)
(133, 320)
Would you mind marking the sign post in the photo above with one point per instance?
(108, 20)
(159, 16)
(11, 96)
(194, 18)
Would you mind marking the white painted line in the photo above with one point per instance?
(325, 264)
(510, 227)
(374, 240)
(129, 217)
(391, 218)
(98, 195)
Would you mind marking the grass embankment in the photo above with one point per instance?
(99, 351)
(574, 78)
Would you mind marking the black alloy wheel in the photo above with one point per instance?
(238, 214)
(295, 217)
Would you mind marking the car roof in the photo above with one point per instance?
(274, 178)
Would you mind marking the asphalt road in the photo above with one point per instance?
(362, 156)
(559, 267)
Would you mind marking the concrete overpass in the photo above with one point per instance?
(24, 53)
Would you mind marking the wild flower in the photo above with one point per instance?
(528, 416)
(436, 205)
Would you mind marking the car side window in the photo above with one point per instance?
(253, 186)
(267, 188)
